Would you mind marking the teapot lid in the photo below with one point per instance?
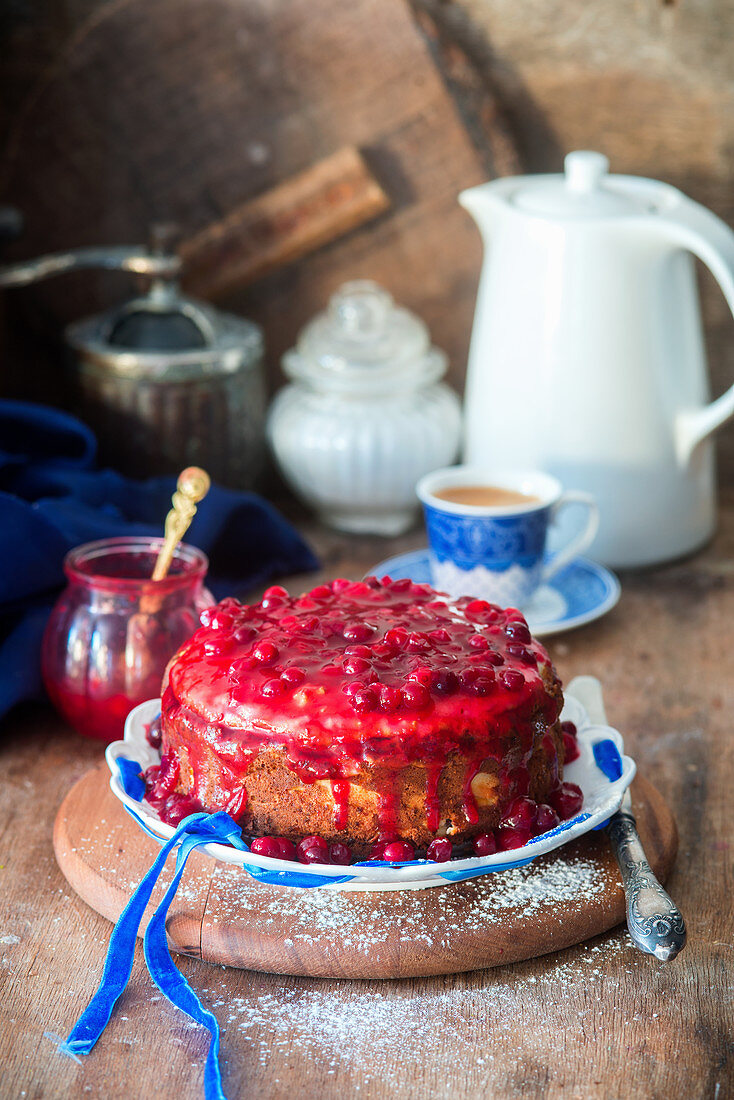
(585, 190)
(362, 338)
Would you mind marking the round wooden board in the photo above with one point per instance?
(221, 915)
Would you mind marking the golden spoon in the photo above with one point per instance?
(192, 486)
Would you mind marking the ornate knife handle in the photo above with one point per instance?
(654, 921)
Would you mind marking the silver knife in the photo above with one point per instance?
(655, 922)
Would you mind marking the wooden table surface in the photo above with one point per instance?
(597, 1020)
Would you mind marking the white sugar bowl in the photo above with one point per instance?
(365, 415)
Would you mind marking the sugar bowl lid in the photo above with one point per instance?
(363, 341)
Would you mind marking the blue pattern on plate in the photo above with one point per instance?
(131, 777)
(458, 876)
(608, 760)
(584, 589)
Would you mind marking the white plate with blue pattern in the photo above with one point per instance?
(578, 594)
(602, 771)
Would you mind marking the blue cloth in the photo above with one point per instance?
(53, 497)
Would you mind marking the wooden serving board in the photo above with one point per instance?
(221, 915)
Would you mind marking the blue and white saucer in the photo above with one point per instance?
(580, 593)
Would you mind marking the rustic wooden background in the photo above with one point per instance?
(117, 113)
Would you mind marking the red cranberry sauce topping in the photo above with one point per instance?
(360, 672)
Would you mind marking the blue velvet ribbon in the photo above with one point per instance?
(193, 832)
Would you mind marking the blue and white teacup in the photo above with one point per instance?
(496, 552)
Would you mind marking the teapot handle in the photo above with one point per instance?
(709, 238)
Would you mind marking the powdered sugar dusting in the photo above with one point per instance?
(361, 922)
(363, 1026)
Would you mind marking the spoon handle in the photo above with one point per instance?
(655, 922)
(192, 486)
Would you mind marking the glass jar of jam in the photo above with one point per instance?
(113, 629)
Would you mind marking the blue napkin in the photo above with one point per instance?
(53, 497)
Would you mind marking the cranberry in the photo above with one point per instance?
(306, 603)
(286, 847)
(477, 607)
(570, 748)
(340, 584)
(397, 851)
(566, 800)
(320, 592)
(378, 850)
(340, 854)
(351, 687)
(308, 624)
(221, 619)
(372, 582)
(354, 665)
(570, 729)
(331, 670)
(293, 676)
(358, 651)
(418, 642)
(239, 669)
(265, 653)
(485, 844)
(396, 636)
(358, 632)
(521, 813)
(271, 689)
(478, 641)
(445, 682)
(512, 679)
(518, 631)
(179, 806)
(513, 836)
(313, 849)
(481, 685)
(244, 634)
(390, 698)
(546, 819)
(522, 653)
(269, 602)
(275, 591)
(477, 681)
(415, 695)
(401, 585)
(360, 589)
(440, 850)
(167, 777)
(421, 675)
(440, 636)
(275, 847)
(266, 846)
(154, 733)
(215, 647)
(494, 658)
(364, 700)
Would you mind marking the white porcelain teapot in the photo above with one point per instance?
(587, 356)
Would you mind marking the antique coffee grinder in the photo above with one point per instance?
(164, 380)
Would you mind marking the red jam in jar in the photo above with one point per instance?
(113, 629)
